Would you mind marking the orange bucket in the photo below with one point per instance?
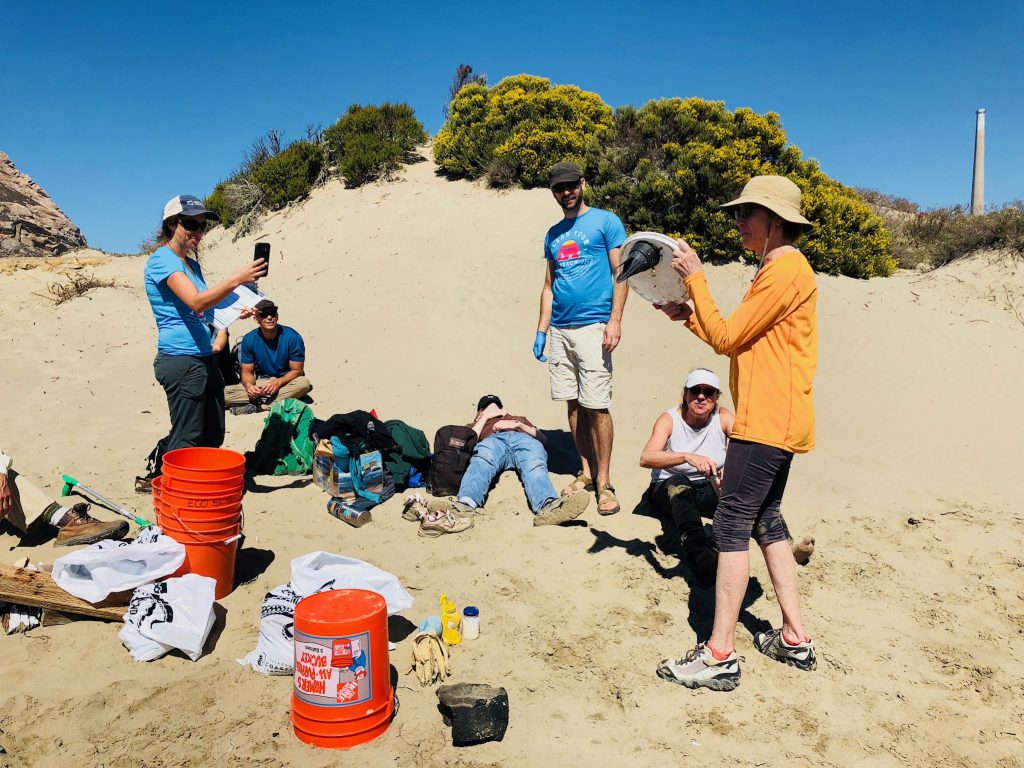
(342, 694)
(203, 464)
(197, 524)
(199, 489)
(209, 554)
(200, 502)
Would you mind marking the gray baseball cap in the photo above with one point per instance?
(188, 205)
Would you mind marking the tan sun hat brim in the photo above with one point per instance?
(776, 193)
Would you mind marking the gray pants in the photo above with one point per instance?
(297, 387)
(195, 400)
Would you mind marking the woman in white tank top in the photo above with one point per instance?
(685, 453)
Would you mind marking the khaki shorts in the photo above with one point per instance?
(580, 367)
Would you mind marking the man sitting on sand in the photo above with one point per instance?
(513, 442)
(685, 454)
(272, 358)
(20, 498)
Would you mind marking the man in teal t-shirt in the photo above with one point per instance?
(581, 307)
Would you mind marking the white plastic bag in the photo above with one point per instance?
(312, 573)
(320, 571)
(112, 566)
(176, 613)
(275, 651)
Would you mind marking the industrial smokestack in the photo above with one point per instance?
(978, 187)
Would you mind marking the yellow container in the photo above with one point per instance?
(451, 622)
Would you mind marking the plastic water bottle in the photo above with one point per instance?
(342, 510)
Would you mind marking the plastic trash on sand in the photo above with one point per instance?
(176, 613)
(113, 566)
(312, 573)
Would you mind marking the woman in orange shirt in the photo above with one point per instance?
(772, 343)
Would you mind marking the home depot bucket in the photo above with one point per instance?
(342, 694)
(206, 465)
(199, 489)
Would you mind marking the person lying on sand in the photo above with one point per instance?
(20, 498)
(273, 359)
(513, 442)
(685, 454)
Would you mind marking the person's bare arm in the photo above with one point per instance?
(248, 377)
(654, 455)
(6, 497)
(613, 329)
(200, 301)
(295, 369)
(220, 342)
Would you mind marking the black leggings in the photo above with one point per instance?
(751, 500)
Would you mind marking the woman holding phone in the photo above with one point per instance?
(772, 343)
(182, 305)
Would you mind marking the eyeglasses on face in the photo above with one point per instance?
(744, 211)
(565, 186)
(193, 225)
(708, 392)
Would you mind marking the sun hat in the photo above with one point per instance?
(562, 172)
(188, 205)
(487, 400)
(776, 193)
(703, 376)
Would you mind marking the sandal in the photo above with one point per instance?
(580, 483)
(605, 495)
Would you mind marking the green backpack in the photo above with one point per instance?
(285, 447)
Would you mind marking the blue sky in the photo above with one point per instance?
(114, 107)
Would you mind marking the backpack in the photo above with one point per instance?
(453, 448)
(412, 452)
(359, 473)
(285, 447)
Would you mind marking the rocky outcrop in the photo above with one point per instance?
(30, 223)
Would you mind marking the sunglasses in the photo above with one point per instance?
(193, 225)
(708, 392)
(744, 211)
(268, 313)
(565, 186)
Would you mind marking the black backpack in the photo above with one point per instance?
(453, 448)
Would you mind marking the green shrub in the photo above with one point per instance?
(371, 142)
(289, 175)
(513, 132)
(216, 203)
(668, 165)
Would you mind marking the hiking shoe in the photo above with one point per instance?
(242, 410)
(563, 509)
(144, 485)
(437, 522)
(414, 507)
(453, 505)
(79, 527)
(700, 669)
(773, 645)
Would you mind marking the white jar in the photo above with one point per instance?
(470, 622)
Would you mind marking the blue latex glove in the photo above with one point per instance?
(538, 346)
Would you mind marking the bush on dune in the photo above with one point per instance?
(290, 175)
(371, 142)
(512, 133)
(668, 165)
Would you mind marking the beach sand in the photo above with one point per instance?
(415, 298)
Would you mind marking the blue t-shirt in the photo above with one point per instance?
(180, 331)
(583, 284)
(272, 357)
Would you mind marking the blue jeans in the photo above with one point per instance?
(509, 450)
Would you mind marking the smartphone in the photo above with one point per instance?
(262, 251)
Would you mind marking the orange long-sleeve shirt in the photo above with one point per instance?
(772, 343)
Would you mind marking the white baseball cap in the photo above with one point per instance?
(188, 205)
(700, 376)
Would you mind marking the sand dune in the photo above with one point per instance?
(415, 298)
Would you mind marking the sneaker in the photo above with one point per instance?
(563, 509)
(242, 410)
(700, 669)
(438, 522)
(453, 505)
(79, 527)
(414, 507)
(773, 645)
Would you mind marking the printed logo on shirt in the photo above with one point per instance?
(570, 249)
